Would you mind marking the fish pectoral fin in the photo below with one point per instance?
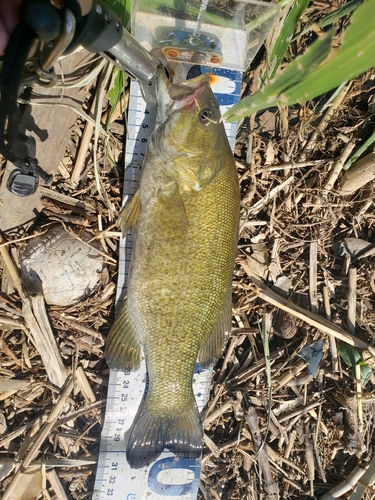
(174, 206)
(129, 215)
(214, 343)
(122, 347)
(180, 432)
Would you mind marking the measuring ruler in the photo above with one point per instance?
(172, 477)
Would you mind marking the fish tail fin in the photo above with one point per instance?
(150, 433)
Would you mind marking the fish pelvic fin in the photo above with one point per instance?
(151, 433)
(122, 347)
(213, 345)
(129, 215)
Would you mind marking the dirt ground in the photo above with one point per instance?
(276, 426)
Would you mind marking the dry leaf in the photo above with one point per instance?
(359, 174)
(270, 154)
(29, 486)
(6, 467)
(259, 260)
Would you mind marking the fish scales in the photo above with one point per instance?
(179, 291)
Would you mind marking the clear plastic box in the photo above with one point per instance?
(225, 34)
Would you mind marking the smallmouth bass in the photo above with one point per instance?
(178, 306)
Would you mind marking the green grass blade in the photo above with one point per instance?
(333, 17)
(359, 152)
(116, 87)
(122, 9)
(344, 10)
(266, 347)
(274, 93)
(355, 55)
(115, 91)
(287, 31)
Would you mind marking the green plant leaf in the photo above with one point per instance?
(278, 90)
(366, 373)
(333, 17)
(116, 87)
(312, 77)
(115, 92)
(344, 10)
(281, 45)
(122, 9)
(349, 354)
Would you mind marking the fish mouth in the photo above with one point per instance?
(180, 95)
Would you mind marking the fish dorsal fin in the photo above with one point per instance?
(214, 343)
(174, 206)
(129, 215)
(122, 348)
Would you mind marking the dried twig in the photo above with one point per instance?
(337, 166)
(309, 459)
(83, 147)
(273, 298)
(332, 340)
(352, 303)
(347, 484)
(259, 205)
(313, 265)
(67, 200)
(39, 438)
(13, 271)
(311, 143)
(54, 481)
(37, 321)
(352, 299)
(269, 483)
(359, 174)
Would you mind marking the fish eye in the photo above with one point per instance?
(206, 116)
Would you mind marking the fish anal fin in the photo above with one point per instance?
(214, 342)
(129, 215)
(122, 347)
(181, 432)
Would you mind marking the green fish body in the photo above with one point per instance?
(178, 306)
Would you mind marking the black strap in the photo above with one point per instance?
(15, 56)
